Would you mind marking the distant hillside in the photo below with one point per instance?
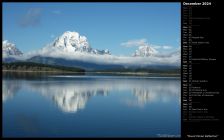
(37, 67)
(152, 69)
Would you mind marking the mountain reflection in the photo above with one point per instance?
(9, 89)
(71, 100)
(72, 95)
(144, 96)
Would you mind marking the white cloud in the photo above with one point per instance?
(172, 58)
(143, 42)
(156, 46)
(167, 47)
(134, 43)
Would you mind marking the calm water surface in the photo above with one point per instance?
(91, 106)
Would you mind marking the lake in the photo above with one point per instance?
(91, 106)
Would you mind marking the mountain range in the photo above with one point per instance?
(73, 49)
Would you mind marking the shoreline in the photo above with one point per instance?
(134, 73)
(20, 71)
(113, 73)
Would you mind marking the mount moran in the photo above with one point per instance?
(72, 49)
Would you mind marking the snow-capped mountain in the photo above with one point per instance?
(144, 51)
(73, 42)
(9, 49)
(73, 50)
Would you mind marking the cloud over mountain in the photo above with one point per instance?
(135, 43)
(74, 47)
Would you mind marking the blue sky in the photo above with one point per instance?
(106, 25)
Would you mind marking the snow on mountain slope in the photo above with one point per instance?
(145, 51)
(72, 49)
(71, 42)
(9, 49)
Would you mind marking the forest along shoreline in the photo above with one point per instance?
(31, 67)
